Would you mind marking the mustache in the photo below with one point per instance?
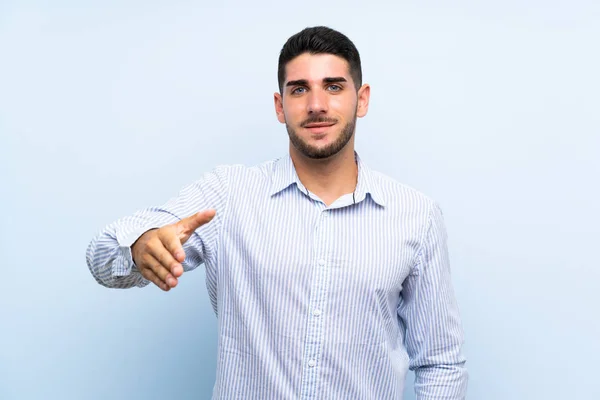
(318, 120)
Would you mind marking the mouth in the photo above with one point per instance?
(318, 127)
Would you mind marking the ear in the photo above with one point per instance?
(364, 93)
(278, 100)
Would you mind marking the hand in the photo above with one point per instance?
(158, 253)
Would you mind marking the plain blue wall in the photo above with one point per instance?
(106, 107)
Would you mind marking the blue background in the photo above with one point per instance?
(491, 108)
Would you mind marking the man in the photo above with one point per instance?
(329, 280)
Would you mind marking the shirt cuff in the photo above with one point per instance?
(123, 264)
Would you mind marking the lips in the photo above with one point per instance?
(318, 129)
(321, 125)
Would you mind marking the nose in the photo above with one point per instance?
(317, 102)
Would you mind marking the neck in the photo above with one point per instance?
(328, 178)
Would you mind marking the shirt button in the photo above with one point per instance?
(312, 363)
(326, 213)
(321, 262)
(316, 312)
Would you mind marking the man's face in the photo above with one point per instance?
(319, 104)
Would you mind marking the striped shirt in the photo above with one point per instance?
(312, 301)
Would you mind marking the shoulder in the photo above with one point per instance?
(404, 198)
(243, 176)
(409, 206)
(238, 171)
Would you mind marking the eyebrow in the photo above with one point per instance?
(304, 82)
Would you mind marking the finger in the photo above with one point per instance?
(188, 225)
(163, 274)
(151, 276)
(164, 257)
(172, 244)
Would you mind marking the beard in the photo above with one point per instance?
(319, 153)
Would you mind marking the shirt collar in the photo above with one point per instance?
(284, 175)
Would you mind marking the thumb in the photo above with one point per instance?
(188, 225)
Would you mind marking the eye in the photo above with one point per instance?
(334, 88)
(299, 90)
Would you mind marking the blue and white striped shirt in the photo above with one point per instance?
(313, 301)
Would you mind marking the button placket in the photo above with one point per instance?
(315, 328)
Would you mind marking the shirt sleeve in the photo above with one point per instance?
(108, 254)
(429, 311)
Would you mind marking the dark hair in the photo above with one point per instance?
(320, 40)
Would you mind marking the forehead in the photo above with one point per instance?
(315, 67)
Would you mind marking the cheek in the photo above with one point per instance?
(294, 113)
(342, 105)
